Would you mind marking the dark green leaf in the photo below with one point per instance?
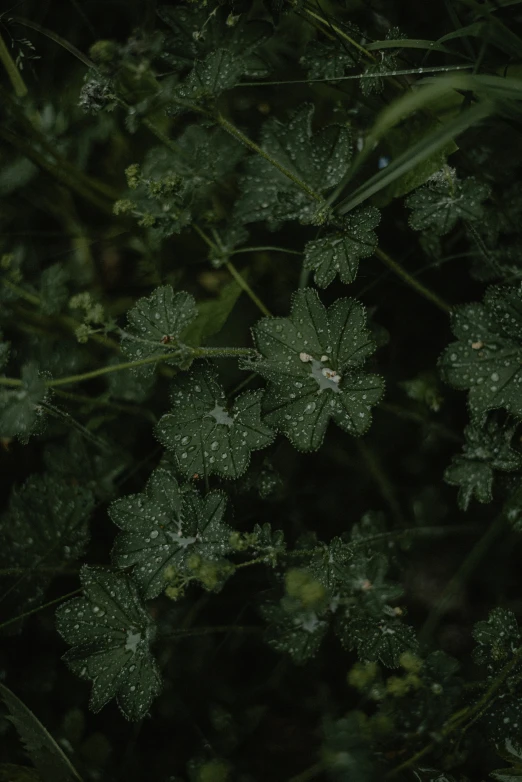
(110, 631)
(312, 361)
(20, 407)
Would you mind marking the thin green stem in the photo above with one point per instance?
(40, 608)
(382, 481)
(412, 281)
(309, 773)
(195, 631)
(341, 33)
(268, 248)
(246, 287)
(15, 77)
(98, 402)
(187, 352)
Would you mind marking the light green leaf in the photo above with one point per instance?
(340, 253)
(319, 159)
(155, 325)
(165, 526)
(48, 757)
(312, 361)
(512, 752)
(111, 631)
(487, 359)
(19, 407)
(438, 205)
(205, 435)
(213, 314)
(487, 449)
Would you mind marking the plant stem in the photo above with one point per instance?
(195, 631)
(241, 250)
(309, 773)
(14, 74)
(246, 287)
(412, 281)
(468, 566)
(40, 608)
(341, 33)
(189, 352)
(98, 402)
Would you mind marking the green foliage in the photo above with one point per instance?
(486, 450)
(110, 631)
(340, 253)
(319, 159)
(206, 436)
(179, 184)
(487, 359)
(155, 326)
(312, 362)
(164, 528)
(47, 756)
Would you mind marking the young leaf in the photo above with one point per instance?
(319, 159)
(19, 407)
(207, 437)
(486, 450)
(155, 325)
(110, 631)
(312, 362)
(487, 359)
(512, 752)
(340, 253)
(213, 314)
(439, 204)
(53, 289)
(165, 526)
(48, 757)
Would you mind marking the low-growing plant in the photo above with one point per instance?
(256, 257)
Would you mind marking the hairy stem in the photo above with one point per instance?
(40, 608)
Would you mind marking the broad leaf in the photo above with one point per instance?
(110, 632)
(48, 757)
(438, 205)
(487, 359)
(165, 526)
(205, 435)
(340, 253)
(19, 407)
(318, 159)
(512, 752)
(155, 325)
(312, 361)
(213, 314)
(487, 449)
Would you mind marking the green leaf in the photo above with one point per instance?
(165, 526)
(487, 359)
(512, 752)
(9, 772)
(438, 205)
(345, 751)
(486, 450)
(205, 435)
(213, 314)
(319, 159)
(219, 71)
(99, 471)
(498, 639)
(49, 759)
(53, 289)
(110, 631)
(46, 521)
(4, 353)
(312, 362)
(19, 407)
(340, 253)
(128, 385)
(327, 59)
(329, 564)
(155, 325)
(383, 639)
(296, 633)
